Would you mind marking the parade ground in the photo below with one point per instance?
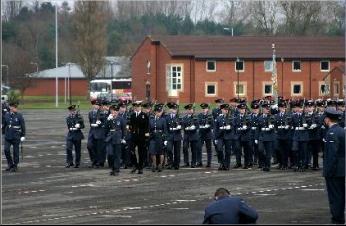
(43, 191)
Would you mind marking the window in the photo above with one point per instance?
(268, 66)
(239, 66)
(174, 79)
(296, 88)
(296, 67)
(324, 65)
(211, 66)
(241, 89)
(210, 89)
(336, 88)
(267, 88)
(323, 89)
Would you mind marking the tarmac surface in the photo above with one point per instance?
(43, 191)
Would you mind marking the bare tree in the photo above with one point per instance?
(265, 16)
(90, 36)
(10, 9)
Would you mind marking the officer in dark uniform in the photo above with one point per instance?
(191, 138)
(313, 122)
(266, 136)
(223, 130)
(147, 109)
(300, 137)
(5, 108)
(125, 153)
(96, 135)
(341, 110)
(14, 125)
(115, 137)
(206, 124)
(241, 137)
(320, 108)
(174, 137)
(283, 121)
(215, 113)
(334, 166)
(139, 129)
(254, 130)
(75, 124)
(157, 138)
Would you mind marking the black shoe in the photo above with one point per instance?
(14, 169)
(245, 167)
(200, 164)
(140, 171)
(237, 166)
(102, 164)
(207, 166)
(68, 165)
(176, 167)
(193, 166)
(186, 165)
(220, 167)
(153, 169)
(76, 166)
(112, 173)
(225, 168)
(133, 170)
(159, 169)
(266, 169)
(8, 168)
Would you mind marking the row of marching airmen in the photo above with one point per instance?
(258, 134)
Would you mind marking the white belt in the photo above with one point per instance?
(253, 128)
(16, 127)
(300, 128)
(265, 129)
(94, 125)
(72, 129)
(281, 127)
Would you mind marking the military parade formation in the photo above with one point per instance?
(142, 135)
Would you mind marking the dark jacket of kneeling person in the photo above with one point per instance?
(229, 210)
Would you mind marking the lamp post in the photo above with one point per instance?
(237, 77)
(282, 76)
(69, 82)
(56, 56)
(274, 76)
(7, 77)
(227, 29)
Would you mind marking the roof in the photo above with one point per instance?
(120, 65)
(259, 47)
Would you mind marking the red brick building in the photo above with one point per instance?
(203, 68)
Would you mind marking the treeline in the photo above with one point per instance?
(88, 30)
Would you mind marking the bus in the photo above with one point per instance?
(119, 87)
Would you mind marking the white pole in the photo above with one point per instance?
(69, 81)
(65, 90)
(56, 56)
(232, 31)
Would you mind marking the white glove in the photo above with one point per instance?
(98, 122)
(94, 125)
(110, 117)
(313, 126)
(77, 126)
(222, 127)
(271, 126)
(22, 139)
(193, 127)
(123, 141)
(256, 141)
(274, 106)
(178, 127)
(287, 127)
(165, 143)
(215, 141)
(244, 127)
(206, 126)
(305, 125)
(228, 127)
(147, 134)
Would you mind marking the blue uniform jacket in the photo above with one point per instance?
(99, 131)
(300, 132)
(14, 126)
(334, 152)
(73, 132)
(223, 121)
(229, 210)
(254, 126)
(266, 134)
(283, 125)
(203, 120)
(171, 124)
(115, 130)
(238, 123)
(190, 135)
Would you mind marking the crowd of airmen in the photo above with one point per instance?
(289, 133)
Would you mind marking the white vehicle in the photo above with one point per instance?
(103, 87)
(4, 91)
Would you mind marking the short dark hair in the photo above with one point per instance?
(221, 192)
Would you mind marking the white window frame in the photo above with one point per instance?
(263, 88)
(271, 63)
(293, 83)
(328, 65)
(206, 89)
(235, 66)
(294, 70)
(244, 88)
(320, 83)
(174, 92)
(336, 94)
(206, 65)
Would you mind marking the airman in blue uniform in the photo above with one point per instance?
(206, 124)
(191, 138)
(157, 138)
(14, 132)
(223, 130)
(115, 137)
(334, 165)
(96, 135)
(174, 136)
(254, 130)
(75, 124)
(266, 136)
